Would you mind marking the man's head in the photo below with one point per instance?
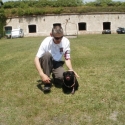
(57, 34)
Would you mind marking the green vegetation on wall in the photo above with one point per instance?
(42, 3)
(40, 7)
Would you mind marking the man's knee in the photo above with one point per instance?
(58, 81)
(57, 76)
(47, 55)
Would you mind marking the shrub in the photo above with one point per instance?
(2, 21)
(20, 8)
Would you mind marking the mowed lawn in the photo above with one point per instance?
(98, 59)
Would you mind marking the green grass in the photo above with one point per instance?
(98, 59)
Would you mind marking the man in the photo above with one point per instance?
(49, 57)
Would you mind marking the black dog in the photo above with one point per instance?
(70, 83)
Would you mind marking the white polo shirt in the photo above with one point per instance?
(57, 50)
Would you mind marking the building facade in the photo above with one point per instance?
(73, 24)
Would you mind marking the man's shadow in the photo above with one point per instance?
(40, 85)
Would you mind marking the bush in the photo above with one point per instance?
(42, 3)
(2, 21)
(20, 8)
(20, 12)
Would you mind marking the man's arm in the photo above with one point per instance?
(43, 76)
(69, 65)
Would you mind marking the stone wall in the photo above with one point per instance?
(70, 23)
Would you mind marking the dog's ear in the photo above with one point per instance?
(73, 73)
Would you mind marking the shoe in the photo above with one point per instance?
(47, 87)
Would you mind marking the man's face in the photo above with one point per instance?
(57, 38)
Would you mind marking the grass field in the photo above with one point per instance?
(98, 59)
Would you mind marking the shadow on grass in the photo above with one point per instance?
(68, 91)
(40, 86)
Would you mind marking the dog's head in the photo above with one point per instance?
(68, 75)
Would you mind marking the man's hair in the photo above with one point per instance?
(57, 30)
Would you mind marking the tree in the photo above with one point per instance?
(103, 1)
(2, 21)
(1, 3)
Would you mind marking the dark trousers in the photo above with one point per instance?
(50, 66)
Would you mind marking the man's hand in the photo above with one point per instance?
(69, 65)
(45, 78)
(75, 73)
